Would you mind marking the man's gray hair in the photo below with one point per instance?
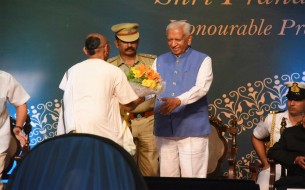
(186, 27)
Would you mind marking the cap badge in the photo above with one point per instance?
(295, 88)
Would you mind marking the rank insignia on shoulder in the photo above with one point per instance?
(276, 111)
(151, 56)
(112, 59)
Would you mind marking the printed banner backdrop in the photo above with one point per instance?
(255, 45)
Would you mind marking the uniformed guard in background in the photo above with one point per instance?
(272, 127)
(142, 118)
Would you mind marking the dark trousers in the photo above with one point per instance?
(290, 182)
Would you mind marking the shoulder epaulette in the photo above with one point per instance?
(151, 56)
(276, 111)
(112, 59)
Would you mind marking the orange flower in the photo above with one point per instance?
(145, 76)
(152, 75)
(142, 69)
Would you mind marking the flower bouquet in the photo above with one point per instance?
(144, 80)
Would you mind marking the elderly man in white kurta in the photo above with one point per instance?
(14, 93)
(93, 90)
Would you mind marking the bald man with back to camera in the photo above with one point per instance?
(93, 91)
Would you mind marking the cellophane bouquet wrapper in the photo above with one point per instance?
(142, 91)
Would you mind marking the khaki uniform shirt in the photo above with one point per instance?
(148, 60)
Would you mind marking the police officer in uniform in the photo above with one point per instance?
(141, 119)
(272, 127)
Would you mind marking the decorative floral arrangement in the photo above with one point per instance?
(144, 80)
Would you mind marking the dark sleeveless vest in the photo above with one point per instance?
(180, 74)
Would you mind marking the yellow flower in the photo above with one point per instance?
(158, 86)
(149, 83)
(145, 76)
(136, 72)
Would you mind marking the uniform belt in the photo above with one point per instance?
(141, 114)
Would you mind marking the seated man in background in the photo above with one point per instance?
(289, 151)
(272, 125)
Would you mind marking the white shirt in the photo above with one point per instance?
(11, 91)
(263, 128)
(93, 90)
(203, 82)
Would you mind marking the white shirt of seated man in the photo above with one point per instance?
(263, 130)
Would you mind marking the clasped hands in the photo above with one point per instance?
(169, 104)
